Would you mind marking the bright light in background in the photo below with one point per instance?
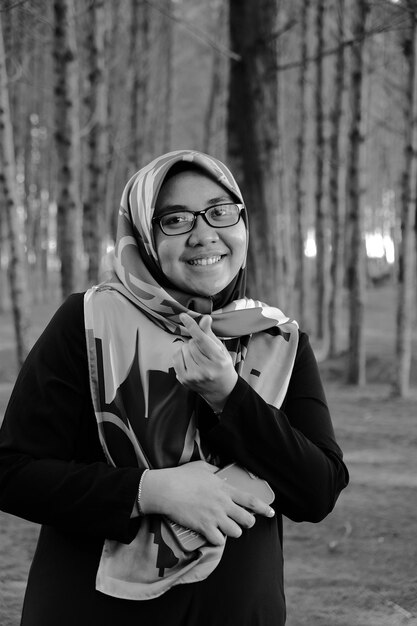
(389, 249)
(379, 246)
(310, 248)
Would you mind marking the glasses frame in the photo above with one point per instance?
(157, 220)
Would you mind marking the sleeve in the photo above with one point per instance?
(52, 468)
(293, 448)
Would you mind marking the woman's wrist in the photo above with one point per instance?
(152, 491)
(217, 401)
(140, 492)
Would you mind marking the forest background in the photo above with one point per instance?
(313, 105)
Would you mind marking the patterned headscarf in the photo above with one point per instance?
(145, 417)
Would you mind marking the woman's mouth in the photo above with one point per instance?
(209, 260)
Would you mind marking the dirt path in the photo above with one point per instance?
(359, 566)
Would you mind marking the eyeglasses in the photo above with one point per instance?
(217, 216)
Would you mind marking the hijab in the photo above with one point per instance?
(145, 417)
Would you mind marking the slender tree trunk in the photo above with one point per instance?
(45, 238)
(406, 272)
(67, 136)
(299, 193)
(159, 109)
(137, 62)
(97, 141)
(17, 265)
(112, 29)
(214, 141)
(286, 260)
(335, 205)
(321, 217)
(4, 252)
(165, 85)
(16, 42)
(253, 138)
(355, 240)
(47, 166)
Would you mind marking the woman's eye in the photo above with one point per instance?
(176, 219)
(223, 210)
(220, 210)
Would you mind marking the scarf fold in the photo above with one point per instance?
(145, 417)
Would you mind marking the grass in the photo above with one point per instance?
(359, 566)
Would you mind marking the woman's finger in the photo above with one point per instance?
(193, 355)
(179, 365)
(214, 536)
(230, 528)
(251, 502)
(241, 516)
(207, 342)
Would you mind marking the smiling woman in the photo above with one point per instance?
(135, 395)
(205, 259)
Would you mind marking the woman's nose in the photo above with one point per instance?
(202, 233)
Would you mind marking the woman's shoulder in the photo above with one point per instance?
(68, 317)
(71, 307)
(65, 328)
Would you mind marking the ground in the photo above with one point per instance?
(359, 566)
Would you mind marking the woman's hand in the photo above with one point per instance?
(203, 364)
(193, 496)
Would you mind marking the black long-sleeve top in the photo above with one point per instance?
(53, 472)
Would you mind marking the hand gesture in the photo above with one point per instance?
(193, 496)
(203, 364)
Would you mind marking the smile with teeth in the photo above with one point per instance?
(205, 260)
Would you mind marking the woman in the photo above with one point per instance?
(134, 396)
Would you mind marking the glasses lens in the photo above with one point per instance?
(223, 215)
(177, 223)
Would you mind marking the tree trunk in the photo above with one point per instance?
(355, 239)
(159, 100)
(299, 192)
(67, 145)
(253, 137)
(214, 141)
(97, 141)
(335, 205)
(17, 264)
(113, 25)
(4, 253)
(406, 271)
(321, 225)
(138, 69)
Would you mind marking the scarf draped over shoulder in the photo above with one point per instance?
(145, 417)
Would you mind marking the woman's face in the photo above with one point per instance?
(206, 259)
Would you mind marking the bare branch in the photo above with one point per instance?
(347, 43)
(13, 6)
(197, 32)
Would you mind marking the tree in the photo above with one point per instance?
(17, 264)
(406, 271)
(4, 286)
(253, 137)
(321, 226)
(97, 139)
(354, 223)
(299, 191)
(139, 49)
(335, 205)
(67, 135)
(214, 140)
(159, 101)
